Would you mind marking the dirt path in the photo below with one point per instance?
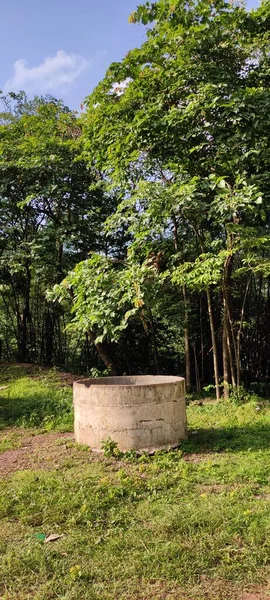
(42, 451)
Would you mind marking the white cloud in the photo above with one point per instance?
(54, 73)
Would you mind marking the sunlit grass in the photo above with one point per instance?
(189, 524)
(38, 400)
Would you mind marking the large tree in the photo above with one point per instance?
(189, 110)
(51, 214)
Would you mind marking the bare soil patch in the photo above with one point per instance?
(218, 488)
(199, 456)
(42, 451)
(208, 590)
(219, 589)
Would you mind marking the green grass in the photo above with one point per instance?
(34, 398)
(188, 524)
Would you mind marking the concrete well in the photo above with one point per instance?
(138, 412)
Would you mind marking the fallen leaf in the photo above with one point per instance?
(52, 538)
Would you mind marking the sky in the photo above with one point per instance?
(64, 47)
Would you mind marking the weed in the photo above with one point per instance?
(110, 447)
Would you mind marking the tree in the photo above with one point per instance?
(194, 103)
(105, 295)
(51, 216)
(164, 180)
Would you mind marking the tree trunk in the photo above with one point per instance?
(214, 343)
(186, 328)
(23, 321)
(197, 373)
(154, 341)
(105, 355)
(231, 342)
(202, 340)
(187, 342)
(239, 335)
(225, 355)
(49, 335)
(212, 326)
(225, 331)
(229, 348)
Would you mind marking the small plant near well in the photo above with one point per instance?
(110, 448)
(131, 455)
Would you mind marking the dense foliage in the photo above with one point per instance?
(148, 215)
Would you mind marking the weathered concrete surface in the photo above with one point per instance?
(138, 412)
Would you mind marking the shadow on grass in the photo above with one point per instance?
(236, 439)
(32, 396)
(32, 410)
(11, 372)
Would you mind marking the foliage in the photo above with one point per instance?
(148, 215)
(106, 294)
(185, 139)
(50, 219)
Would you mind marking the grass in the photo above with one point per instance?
(34, 398)
(188, 524)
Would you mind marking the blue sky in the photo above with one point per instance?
(67, 46)
(63, 47)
